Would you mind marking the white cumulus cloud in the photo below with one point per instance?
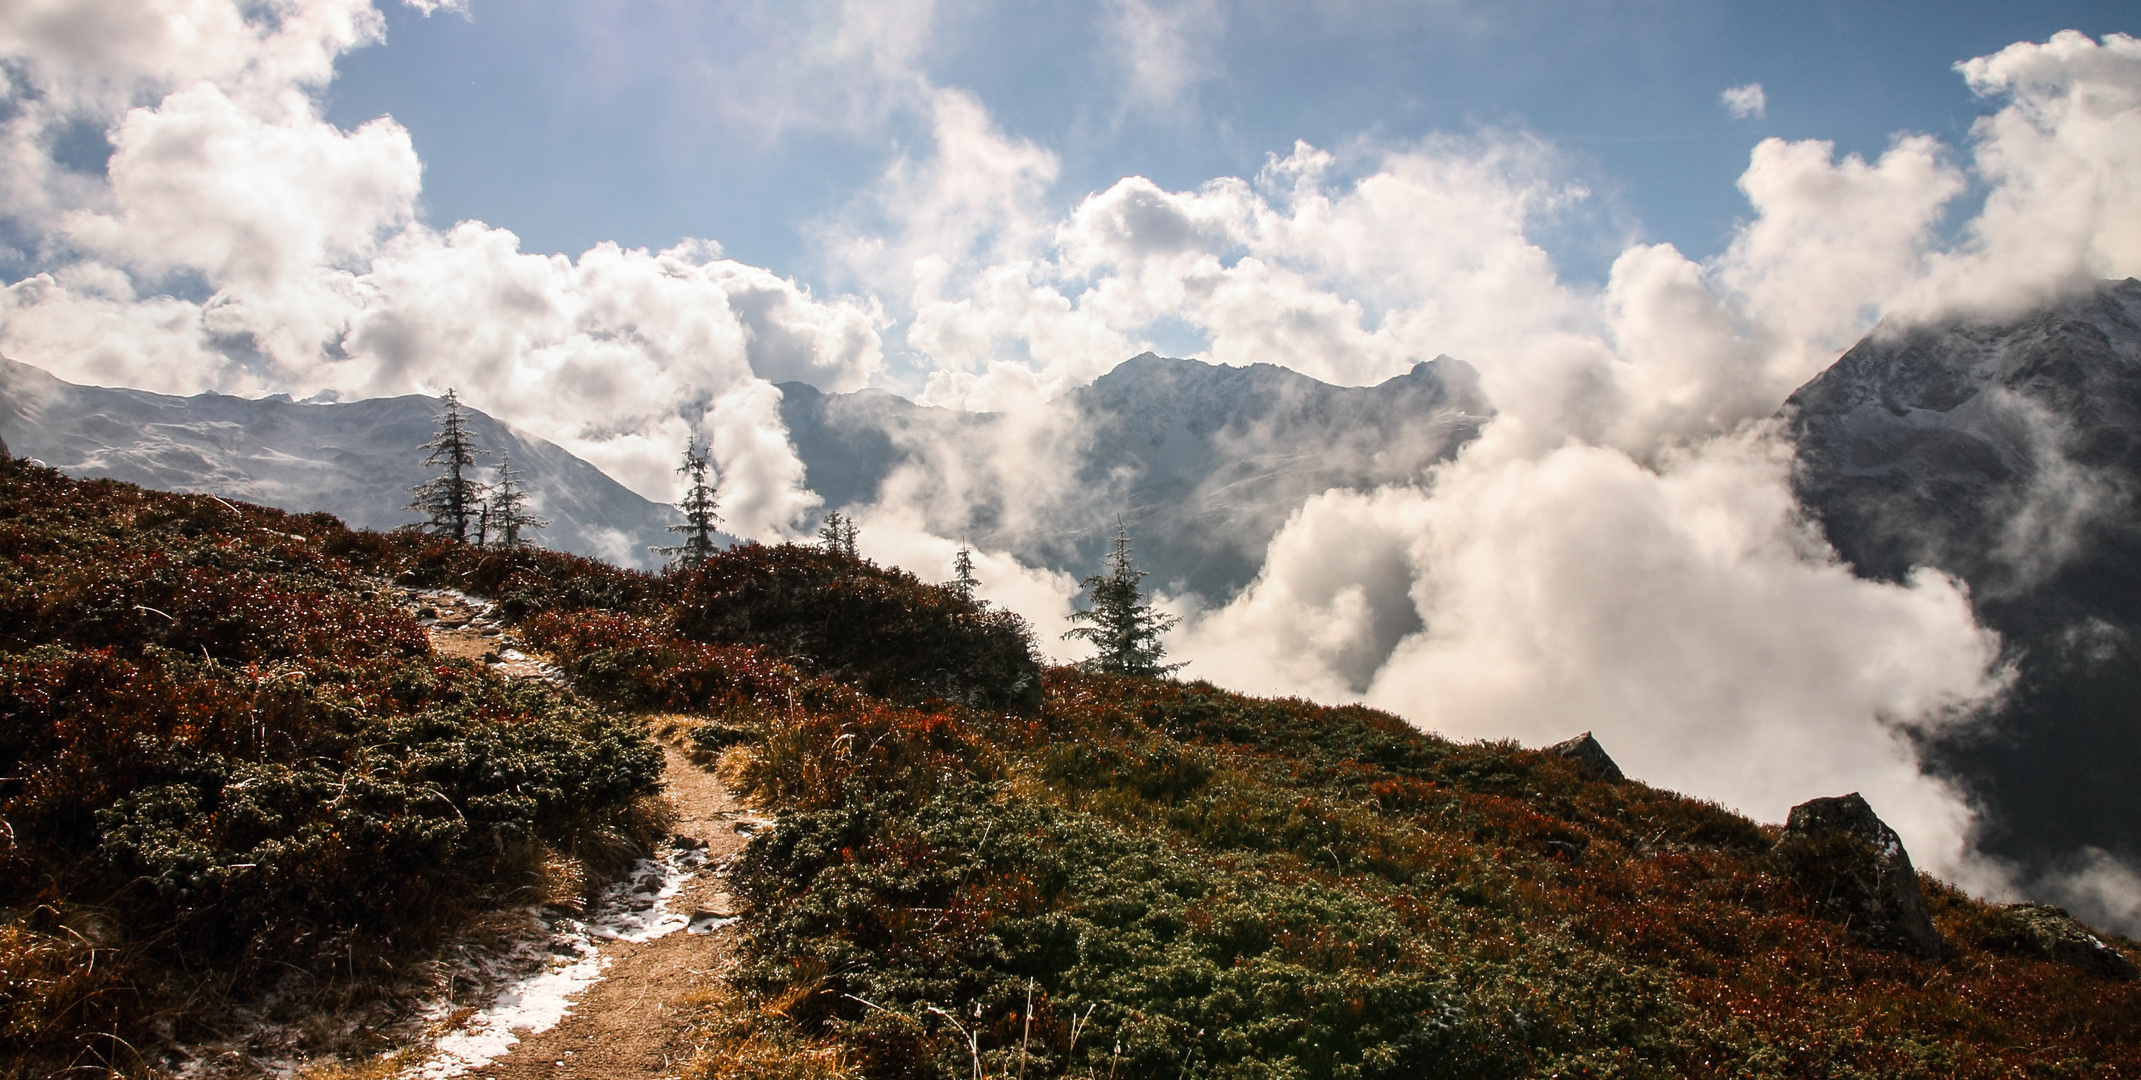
(319, 276)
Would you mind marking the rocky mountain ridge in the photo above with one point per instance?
(1203, 462)
(355, 460)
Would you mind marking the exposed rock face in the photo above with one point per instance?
(2048, 933)
(1588, 756)
(2008, 454)
(1854, 868)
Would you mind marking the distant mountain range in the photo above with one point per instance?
(2008, 453)
(1203, 463)
(355, 460)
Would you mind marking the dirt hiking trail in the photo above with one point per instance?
(633, 1022)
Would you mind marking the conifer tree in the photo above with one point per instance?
(699, 506)
(1124, 625)
(838, 534)
(963, 578)
(450, 499)
(506, 510)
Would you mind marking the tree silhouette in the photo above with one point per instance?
(838, 534)
(963, 579)
(700, 520)
(505, 512)
(1125, 627)
(450, 498)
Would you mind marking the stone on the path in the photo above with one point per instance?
(1590, 759)
(1854, 868)
(2048, 933)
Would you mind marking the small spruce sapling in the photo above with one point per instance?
(838, 534)
(699, 506)
(451, 499)
(1124, 625)
(505, 512)
(963, 580)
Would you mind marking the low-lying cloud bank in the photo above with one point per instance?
(1683, 613)
(1621, 550)
(1618, 552)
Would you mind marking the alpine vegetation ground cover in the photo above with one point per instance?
(231, 769)
(229, 756)
(1137, 876)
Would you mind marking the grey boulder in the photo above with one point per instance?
(1589, 758)
(2048, 933)
(1854, 869)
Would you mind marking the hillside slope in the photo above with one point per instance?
(975, 864)
(238, 786)
(1152, 878)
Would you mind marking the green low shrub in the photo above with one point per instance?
(881, 630)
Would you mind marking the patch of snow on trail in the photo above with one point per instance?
(532, 1004)
(637, 908)
(564, 966)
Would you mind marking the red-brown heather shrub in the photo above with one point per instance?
(226, 757)
(880, 629)
(1520, 920)
(1186, 881)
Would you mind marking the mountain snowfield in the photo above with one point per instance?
(1203, 463)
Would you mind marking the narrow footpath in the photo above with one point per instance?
(631, 1023)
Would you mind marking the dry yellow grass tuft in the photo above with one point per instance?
(735, 766)
(740, 1039)
(383, 1067)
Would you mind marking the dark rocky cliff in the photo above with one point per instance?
(2008, 454)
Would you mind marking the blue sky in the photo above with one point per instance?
(574, 123)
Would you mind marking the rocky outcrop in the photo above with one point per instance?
(1854, 869)
(2048, 933)
(1589, 758)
